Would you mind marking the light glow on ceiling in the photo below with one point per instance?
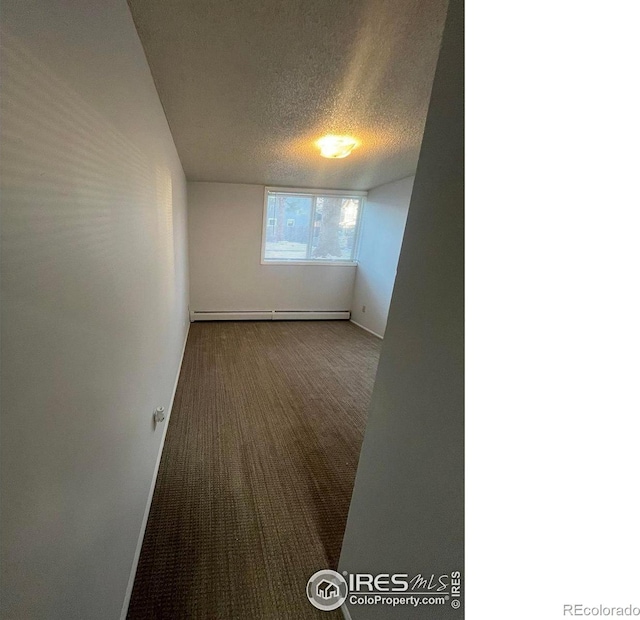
(336, 147)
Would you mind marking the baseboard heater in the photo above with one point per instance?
(272, 315)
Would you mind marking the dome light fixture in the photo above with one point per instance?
(336, 147)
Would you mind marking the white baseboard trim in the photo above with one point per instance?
(231, 316)
(272, 315)
(345, 611)
(315, 315)
(136, 557)
(366, 329)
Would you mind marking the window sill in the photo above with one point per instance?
(323, 263)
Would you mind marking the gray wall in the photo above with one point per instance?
(407, 509)
(384, 218)
(225, 244)
(94, 302)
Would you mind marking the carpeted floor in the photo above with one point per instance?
(257, 470)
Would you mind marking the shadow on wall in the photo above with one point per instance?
(76, 195)
(55, 154)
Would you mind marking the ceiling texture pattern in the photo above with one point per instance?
(248, 86)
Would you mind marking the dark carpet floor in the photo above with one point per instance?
(257, 470)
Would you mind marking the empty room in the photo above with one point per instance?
(232, 279)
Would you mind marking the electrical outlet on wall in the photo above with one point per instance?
(364, 309)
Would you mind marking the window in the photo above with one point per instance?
(306, 226)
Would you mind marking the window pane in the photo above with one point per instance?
(287, 227)
(334, 228)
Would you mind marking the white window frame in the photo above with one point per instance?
(300, 191)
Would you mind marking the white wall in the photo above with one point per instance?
(384, 218)
(407, 508)
(94, 294)
(225, 242)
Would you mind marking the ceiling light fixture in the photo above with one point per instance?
(336, 147)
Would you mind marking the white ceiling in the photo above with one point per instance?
(249, 85)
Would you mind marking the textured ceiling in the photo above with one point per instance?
(249, 85)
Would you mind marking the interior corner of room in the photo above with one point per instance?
(227, 275)
(174, 434)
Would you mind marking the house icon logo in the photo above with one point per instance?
(327, 590)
